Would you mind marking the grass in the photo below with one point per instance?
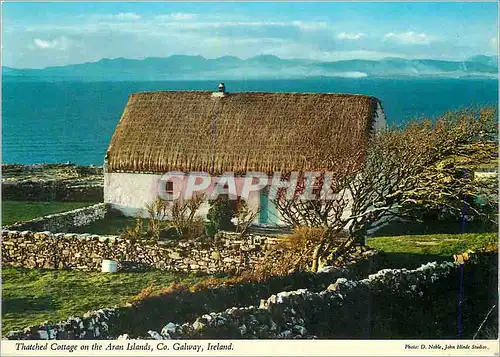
(17, 211)
(109, 226)
(31, 296)
(436, 244)
(412, 250)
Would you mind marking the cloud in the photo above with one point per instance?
(178, 16)
(122, 16)
(44, 44)
(310, 26)
(350, 36)
(411, 38)
(355, 74)
(60, 43)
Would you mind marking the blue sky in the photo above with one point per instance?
(36, 35)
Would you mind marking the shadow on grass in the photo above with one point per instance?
(28, 303)
(407, 260)
(397, 228)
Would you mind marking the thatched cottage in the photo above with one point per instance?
(222, 132)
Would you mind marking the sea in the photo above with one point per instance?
(51, 122)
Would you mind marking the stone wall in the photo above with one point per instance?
(303, 313)
(341, 310)
(62, 222)
(229, 254)
(52, 191)
(52, 182)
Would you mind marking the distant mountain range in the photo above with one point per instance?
(181, 67)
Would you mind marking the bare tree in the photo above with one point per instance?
(417, 166)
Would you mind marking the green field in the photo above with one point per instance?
(413, 250)
(17, 211)
(31, 296)
(444, 245)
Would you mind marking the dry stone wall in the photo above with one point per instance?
(52, 191)
(229, 254)
(52, 182)
(295, 314)
(62, 222)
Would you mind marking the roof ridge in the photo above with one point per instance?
(254, 92)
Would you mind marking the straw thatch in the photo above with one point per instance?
(267, 132)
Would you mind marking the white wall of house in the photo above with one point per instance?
(380, 119)
(131, 192)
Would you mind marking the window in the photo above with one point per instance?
(169, 187)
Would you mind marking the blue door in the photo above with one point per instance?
(268, 212)
(264, 205)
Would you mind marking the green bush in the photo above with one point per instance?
(221, 212)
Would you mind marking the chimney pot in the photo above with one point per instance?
(221, 92)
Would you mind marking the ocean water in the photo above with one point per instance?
(74, 121)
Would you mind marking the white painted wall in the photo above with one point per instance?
(380, 119)
(130, 192)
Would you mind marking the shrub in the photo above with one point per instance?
(211, 228)
(244, 217)
(158, 213)
(221, 212)
(182, 215)
(195, 228)
(135, 233)
(296, 250)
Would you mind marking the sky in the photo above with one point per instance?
(38, 35)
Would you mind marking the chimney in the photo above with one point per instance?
(221, 92)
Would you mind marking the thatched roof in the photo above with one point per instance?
(267, 132)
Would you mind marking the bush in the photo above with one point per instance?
(221, 212)
(135, 233)
(182, 215)
(244, 217)
(158, 213)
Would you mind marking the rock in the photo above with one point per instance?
(169, 329)
(243, 329)
(285, 334)
(197, 325)
(175, 255)
(216, 255)
(155, 335)
(300, 329)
